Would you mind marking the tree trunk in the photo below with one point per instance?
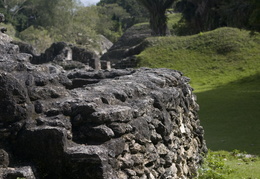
(158, 23)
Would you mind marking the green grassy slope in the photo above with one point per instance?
(210, 59)
(230, 116)
(230, 165)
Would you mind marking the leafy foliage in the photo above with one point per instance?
(38, 37)
(11, 30)
(208, 15)
(24, 13)
(226, 165)
(137, 12)
(214, 167)
(63, 20)
(114, 18)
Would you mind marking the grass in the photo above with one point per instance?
(173, 19)
(230, 165)
(211, 59)
(230, 116)
(224, 67)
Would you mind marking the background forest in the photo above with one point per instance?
(42, 22)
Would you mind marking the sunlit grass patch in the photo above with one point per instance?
(230, 165)
(210, 59)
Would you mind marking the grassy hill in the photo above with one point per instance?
(224, 67)
(210, 59)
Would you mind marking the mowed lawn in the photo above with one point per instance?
(230, 116)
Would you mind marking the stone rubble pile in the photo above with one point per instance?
(60, 118)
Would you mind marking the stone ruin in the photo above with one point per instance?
(61, 116)
(2, 19)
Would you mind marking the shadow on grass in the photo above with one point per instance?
(230, 116)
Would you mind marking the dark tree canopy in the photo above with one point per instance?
(157, 10)
(202, 15)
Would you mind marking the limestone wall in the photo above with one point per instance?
(85, 123)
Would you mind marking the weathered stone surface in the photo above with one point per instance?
(104, 44)
(121, 53)
(13, 97)
(86, 123)
(4, 159)
(45, 144)
(14, 173)
(25, 48)
(87, 162)
(66, 55)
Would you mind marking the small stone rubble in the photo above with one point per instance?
(60, 118)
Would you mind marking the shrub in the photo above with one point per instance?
(37, 37)
(10, 30)
(214, 167)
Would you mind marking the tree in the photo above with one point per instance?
(137, 13)
(157, 10)
(38, 37)
(11, 9)
(255, 15)
(24, 13)
(204, 15)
